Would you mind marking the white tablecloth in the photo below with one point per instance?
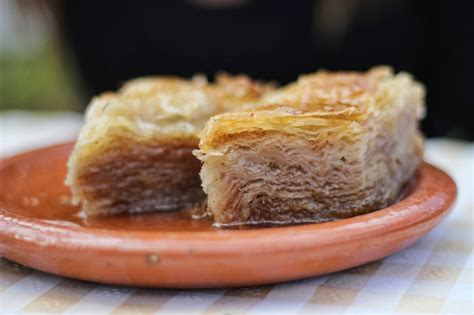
(433, 276)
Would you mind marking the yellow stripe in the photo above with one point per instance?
(333, 296)
(62, 296)
(238, 301)
(145, 301)
(11, 273)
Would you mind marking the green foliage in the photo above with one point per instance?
(37, 81)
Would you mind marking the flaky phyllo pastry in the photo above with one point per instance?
(134, 153)
(331, 145)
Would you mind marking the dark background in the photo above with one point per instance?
(109, 42)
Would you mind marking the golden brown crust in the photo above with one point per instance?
(324, 104)
(128, 130)
(330, 145)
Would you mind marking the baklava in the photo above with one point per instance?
(331, 145)
(134, 153)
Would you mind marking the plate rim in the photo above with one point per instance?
(221, 258)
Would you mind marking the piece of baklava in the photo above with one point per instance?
(134, 153)
(331, 145)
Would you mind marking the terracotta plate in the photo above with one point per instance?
(41, 229)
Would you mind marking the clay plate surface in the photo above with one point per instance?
(41, 229)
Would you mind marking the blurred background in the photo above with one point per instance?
(54, 55)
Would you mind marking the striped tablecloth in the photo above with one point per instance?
(433, 276)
